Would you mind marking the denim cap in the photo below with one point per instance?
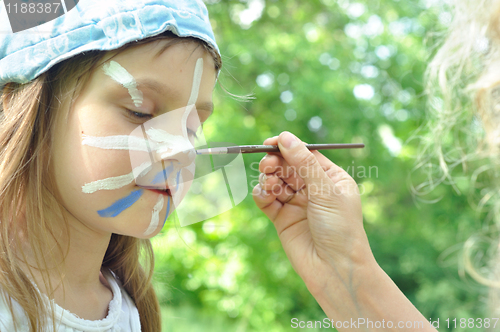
(97, 25)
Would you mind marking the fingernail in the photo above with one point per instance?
(262, 192)
(264, 179)
(288, 140)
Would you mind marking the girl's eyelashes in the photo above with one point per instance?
(139, 115)
(192, 133)
(143, 117)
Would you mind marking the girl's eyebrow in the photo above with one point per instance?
(208, 107)
(154, 85)
(163, 90)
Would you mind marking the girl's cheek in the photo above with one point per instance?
(98, 164)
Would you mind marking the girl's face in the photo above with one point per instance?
(95, 180)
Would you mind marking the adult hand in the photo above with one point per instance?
(316, 209)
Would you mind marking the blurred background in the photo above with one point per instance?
(330, 71)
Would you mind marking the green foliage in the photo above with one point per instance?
(328, 71)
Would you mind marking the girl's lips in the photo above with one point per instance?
(161, 192)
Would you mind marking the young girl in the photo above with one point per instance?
(75, 218)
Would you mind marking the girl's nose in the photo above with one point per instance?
(183, 155)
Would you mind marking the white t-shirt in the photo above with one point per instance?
(123, 315)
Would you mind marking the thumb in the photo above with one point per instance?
(301, 159)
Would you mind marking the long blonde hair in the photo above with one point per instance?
(463, 131)
(27, 200)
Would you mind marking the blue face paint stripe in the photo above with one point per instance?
(177, 180)
(168, 211)
(162, 176)
(168, 203)
(120, 205)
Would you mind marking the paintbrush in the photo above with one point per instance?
(274, 148)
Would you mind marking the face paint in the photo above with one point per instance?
(195, 89)
(114, 70)
(168, 144)
(162, 176)
(117, 181)
(120, 205)
(118, 142)
(177, 180)
(168, 211)
(179, 187)
(191, 168)
(159, 143)
(155, 217)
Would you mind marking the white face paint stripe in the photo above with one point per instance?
(134, 143)
(117, 181)
(118, 142)
(185, 116)
(168, 144)
(114, 70)
(195, 89)
(191, 168)
(155, 217)
(162, 136)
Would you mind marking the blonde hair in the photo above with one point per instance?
(27, 199)
(463, 131)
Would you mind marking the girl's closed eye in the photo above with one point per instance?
(143, 117)
(139, 115)
(192, 133)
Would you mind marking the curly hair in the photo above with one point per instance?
(462, 133)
